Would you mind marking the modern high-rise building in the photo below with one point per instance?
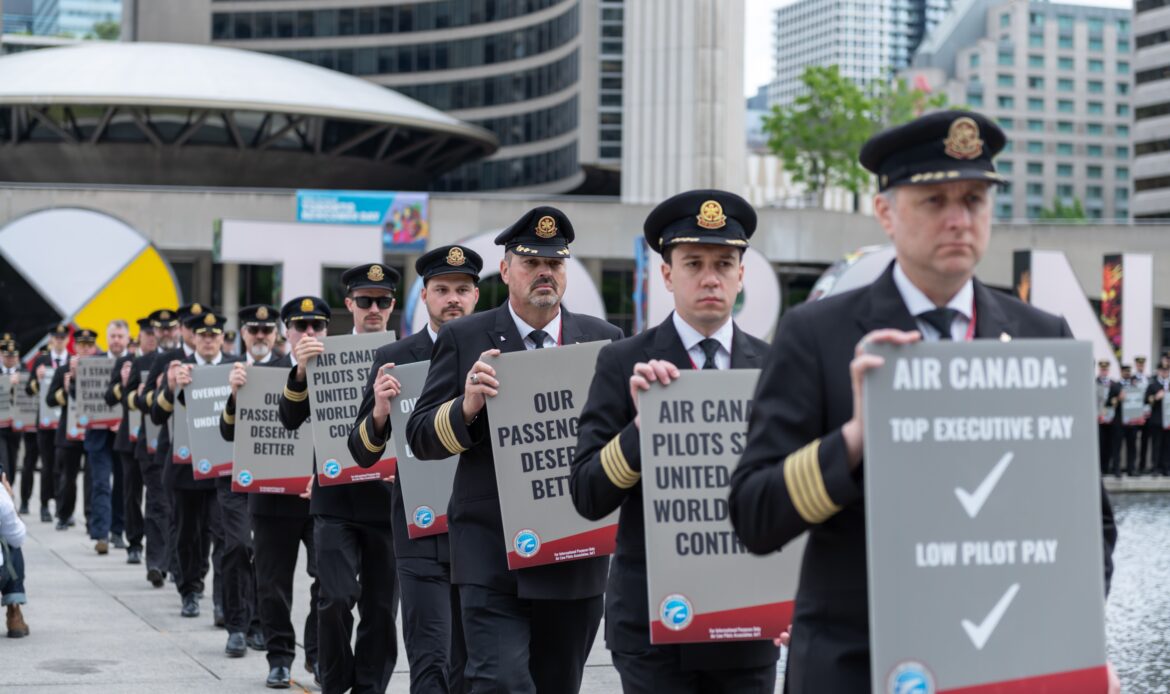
(1151, 102)
(867, 40)
(1058, 79)
(73, 17)
(544, 75)
(17, 16)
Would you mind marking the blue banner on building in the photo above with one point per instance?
(403, 217)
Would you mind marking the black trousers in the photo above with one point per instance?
(526, 646)
(156, 520)
(9, 455)
(132, 499)
(1147, 438)
(1131, 450)
(32, 453)
(355, 563)
(47, 446)
(432, 629)
(1151, 439)
(239, 580)
(276, 541)
(659, 669)
(68, 464)
(1105, 446)
(194, 512)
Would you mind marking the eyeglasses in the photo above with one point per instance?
(302, 326)
(260, 329)
(383, 302)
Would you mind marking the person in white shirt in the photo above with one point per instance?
(12, 533)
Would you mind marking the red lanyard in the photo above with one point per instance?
(971, 324)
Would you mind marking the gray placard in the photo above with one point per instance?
(1105, 413)
(425, 484)
(1133, 405)
(336, 380)
(704, 585)
(205, 398)
(267, 458)
(6, 401)
(149, 429)
(983, 514)
(533, 423)
(47, 417)
(25, 408)
(180, 434)
(93, 378)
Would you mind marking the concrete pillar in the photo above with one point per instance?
(231, 293)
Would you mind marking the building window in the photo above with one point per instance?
(1094, 151)
(1095, 108)
(1065, 42)
(1096, 87)
(1064, 149)
(1121, 152)
(1064, 170)
(1123, 67)
(1123, 45)
(1005, 20)
(1093, 192)
(1123, 27)
(1035, 60)
(1064, 190)
(1004, 211)
(1123, 88)
(1094, 129)
(1035, 41)
(973, 61)
(1035, 168)
(1036, 190)
(1096, 65)
(1006, 58)
(1005, 81)
(1096, 45)
(1065, 85)
(1064, 106)
(1035, 147)
(1064, 22)
(1006, 102)
(1006, 122)
(1122, 131)
(975, 100)
(1035, 83)
(1121, 193)
(1064, 63)
(1093, 171)
(1035, 126)
(1121, 173)
(1004, 166)
(1064, 126)
(1123, 109)
(1035, 211)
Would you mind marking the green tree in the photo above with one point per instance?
(1063, 212)
(819, 136)
(107, 30)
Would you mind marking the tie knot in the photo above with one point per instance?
(710, 348)
(940, 319)
(538, 337)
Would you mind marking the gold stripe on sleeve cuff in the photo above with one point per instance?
(59, 396)
(150, 399)
(806, 487)
(366, 438)
(616, 468)
(164, 404)
(35, 385)
(118, 391)
(132, 401)
(229, 418)
(444, 431)
(295, 396)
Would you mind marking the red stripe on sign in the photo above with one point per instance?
(439, 527)
(276, 485)
(587, 545)
(221, 470)
(378, 472)
(1094, 680)
(741, 624)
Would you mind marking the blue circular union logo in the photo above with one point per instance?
(910, 677)
(74, 432)
(18, 424)
(424, 516)
(83, 420)
(184, 452)
(527, 543)
(205, 466)
(244, 478)
(332, 468)
(676, 612)
(153, 443)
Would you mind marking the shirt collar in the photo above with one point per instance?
(58, 356)
(691, 337)
(200, 361)
(434, 335)
(188, 350)
(553, 328)
(917, 302)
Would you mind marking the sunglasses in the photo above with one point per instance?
(302, 326)
(383, 302)
(260, 329)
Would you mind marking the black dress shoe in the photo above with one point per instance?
(317, 674)
(46, 517)
(277, 678)
(62, 525)
(24, 509)
(256, 640)
(117, 542)
(236, 646)
(219, 618)
(72, 523)
(190, 605)
(133, 556)
(156, 578)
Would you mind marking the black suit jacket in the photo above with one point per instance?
(804, 396)
(363, 502)
(369, 451)
(115, 396)
(57, 397)
(137, 404)
(1155, 420)
(475, 528)
(43, 359)
(279, 505)
(609, 416)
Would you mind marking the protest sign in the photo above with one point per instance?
(267, 458)
(93, 379)
(205, 398)
(425, 484)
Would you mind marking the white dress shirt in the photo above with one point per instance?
(12, 528)
(917, 302)
(434, 335)
(552, 331)
(691, 339)
(200, 361)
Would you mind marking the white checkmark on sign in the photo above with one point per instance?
(973, 502)
(980, 634)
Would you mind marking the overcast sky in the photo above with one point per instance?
(758, 37)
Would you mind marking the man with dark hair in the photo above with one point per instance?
(69, 452)
(55, 357)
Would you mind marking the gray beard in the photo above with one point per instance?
(259, 351)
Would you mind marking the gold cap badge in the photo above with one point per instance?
(963, 141)
(375, 274)
(546, 228)
(711, 215)
(196, 309)
(165, 315)
(262, 313)
(455, 257)
(209, 319)
(306, 305)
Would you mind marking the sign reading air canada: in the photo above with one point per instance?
(205, 398)
(93, 379)
(533, 424)
(983, 516)
(336, 379)
(425, 485)
(704, 585)
(267, 458)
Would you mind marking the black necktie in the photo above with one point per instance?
(940, 319)
(710, 348)
(537, 337)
